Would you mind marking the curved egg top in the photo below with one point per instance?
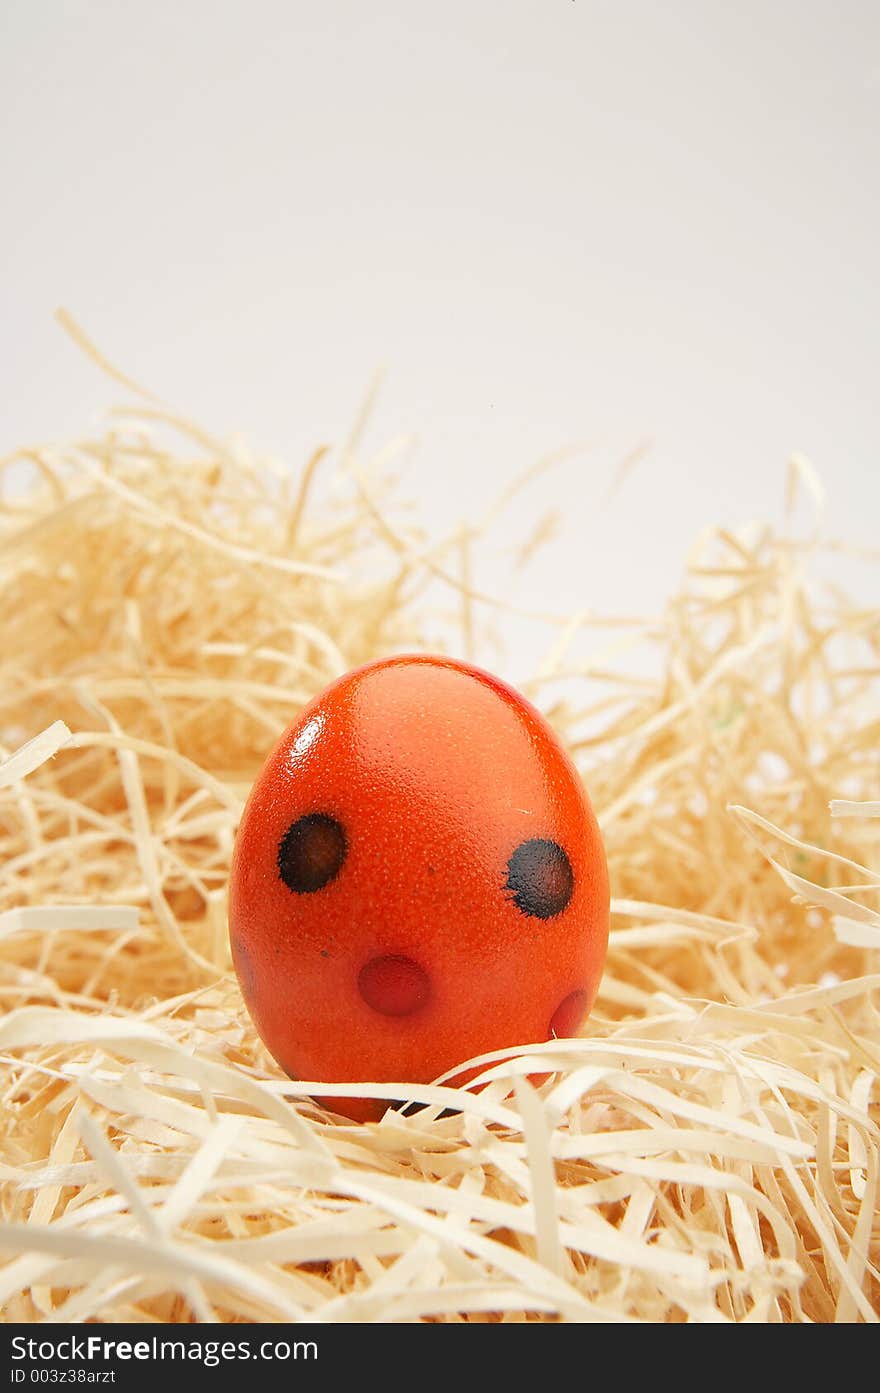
(418, 878)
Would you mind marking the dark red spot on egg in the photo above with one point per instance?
(568, 1015)
(241, 961)
(393, 986)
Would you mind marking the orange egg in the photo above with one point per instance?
(418, 878)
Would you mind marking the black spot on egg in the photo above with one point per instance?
(312, 853)
(539, 878)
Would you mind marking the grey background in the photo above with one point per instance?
(556, 222)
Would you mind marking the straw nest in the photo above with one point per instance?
(707, 1151)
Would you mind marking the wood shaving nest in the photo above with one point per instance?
(708, 1150)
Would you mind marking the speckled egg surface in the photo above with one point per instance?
(418, 878)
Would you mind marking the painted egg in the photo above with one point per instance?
(418, 878)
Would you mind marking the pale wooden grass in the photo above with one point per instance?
(707, 1151)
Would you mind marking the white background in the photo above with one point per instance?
(550, 221)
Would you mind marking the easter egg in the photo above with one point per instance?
(418, 878)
